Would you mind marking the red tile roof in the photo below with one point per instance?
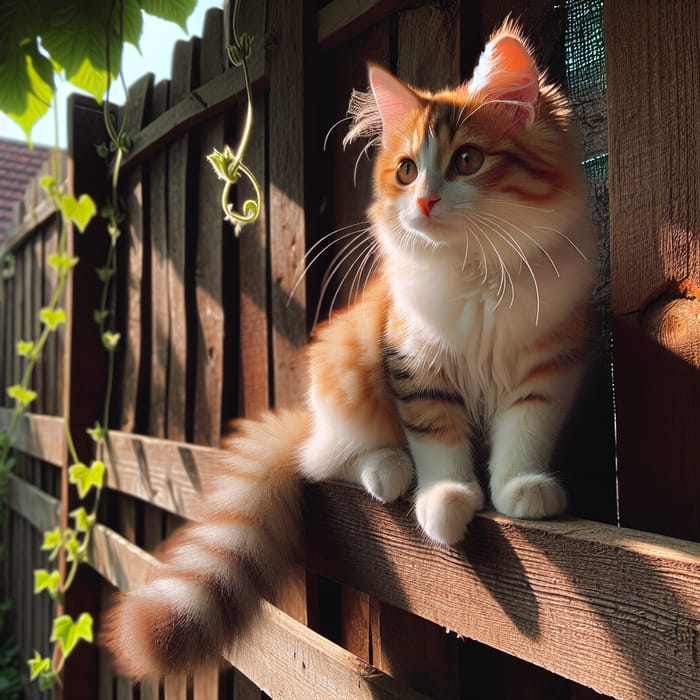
(18, 165)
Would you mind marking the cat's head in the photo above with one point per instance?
(466, 162)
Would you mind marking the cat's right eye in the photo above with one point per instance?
(407, 171)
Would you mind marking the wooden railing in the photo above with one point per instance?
(567, 608)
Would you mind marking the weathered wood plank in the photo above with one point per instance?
(611, 608)
(287, 21)
(254, 324)
(160, 299)
(33, 504)
(179, 175)
(209, 264)
(340, 20)
(655, 259)
(40, 436)
(281, 656)
(132, 386)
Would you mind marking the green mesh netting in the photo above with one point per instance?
(586, 84)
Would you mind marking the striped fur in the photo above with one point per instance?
(473, 327)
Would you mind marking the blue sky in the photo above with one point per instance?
(156, 43)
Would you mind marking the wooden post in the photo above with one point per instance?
(653, 58)
(84, 358)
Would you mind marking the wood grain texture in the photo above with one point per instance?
(179, 174)
(654, 147)
(281, 656)
(39, 436)
(610, 608)
(139, 97)
(655, 257)
(209, 264)
(33, 504)
(253, 247)
(339, 21)
(160, 299)
(286, 22)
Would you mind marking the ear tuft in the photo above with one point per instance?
(377, 112)
(507, 73)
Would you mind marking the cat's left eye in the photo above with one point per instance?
(407, 171)
(467, 160)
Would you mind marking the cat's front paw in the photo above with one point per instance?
(387, 473)
(446, 508)
(530, 496)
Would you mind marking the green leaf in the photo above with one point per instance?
(176, 11)
(52, 318)
(76, 38)
(110, 340)
(78, 211)
(38, 665)
(71, 544)
(26, 85)
(25, 347)
(46, 681)
(83, 520)
(85, 477)
(44, 580)
(100, 316)
(105, 273)
(23, 397)
(52, 539)
(68, 633)
(98, 433)
(62, 263)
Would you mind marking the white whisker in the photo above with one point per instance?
(563, 235)
(328, 133)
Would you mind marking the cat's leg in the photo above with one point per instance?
(523, 437)
(372, 454)
(448, 493)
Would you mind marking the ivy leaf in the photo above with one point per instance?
(22, 396)
(176, 11)
(97, 433)
(71, 544)
(52, 539)
(43, 580)
(38, 665)
(76, 38)
(110, 340)
(79, 211)
(62, 263)
(83, 520)
(25, 347)
(68, 633)
(105, 273)
(26, 85)
(52, 318)
(85, 477)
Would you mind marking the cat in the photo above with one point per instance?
(475, 323)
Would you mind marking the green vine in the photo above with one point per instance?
(229, 165)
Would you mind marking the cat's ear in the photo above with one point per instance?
(507, 74)
(393, 99)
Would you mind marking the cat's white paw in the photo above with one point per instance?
(386, 473)
(530, 496)
(446, 508)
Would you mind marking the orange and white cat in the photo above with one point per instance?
(474, 326)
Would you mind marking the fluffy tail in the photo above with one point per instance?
(214, 572)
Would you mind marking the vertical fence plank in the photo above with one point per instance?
(160, 298)
(655, 259)
(286, 20)
(178, 177)
(208, 264)
(253, 331)
(132, 290)
(84, 359)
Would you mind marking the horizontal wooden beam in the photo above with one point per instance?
(614, 609)
(38, 435)
(281, 656)
(33, 504)
(33, 221)
(340, 20)
(200, 105)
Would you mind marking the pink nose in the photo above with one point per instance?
(426, 204)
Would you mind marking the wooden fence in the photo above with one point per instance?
(571, 608)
